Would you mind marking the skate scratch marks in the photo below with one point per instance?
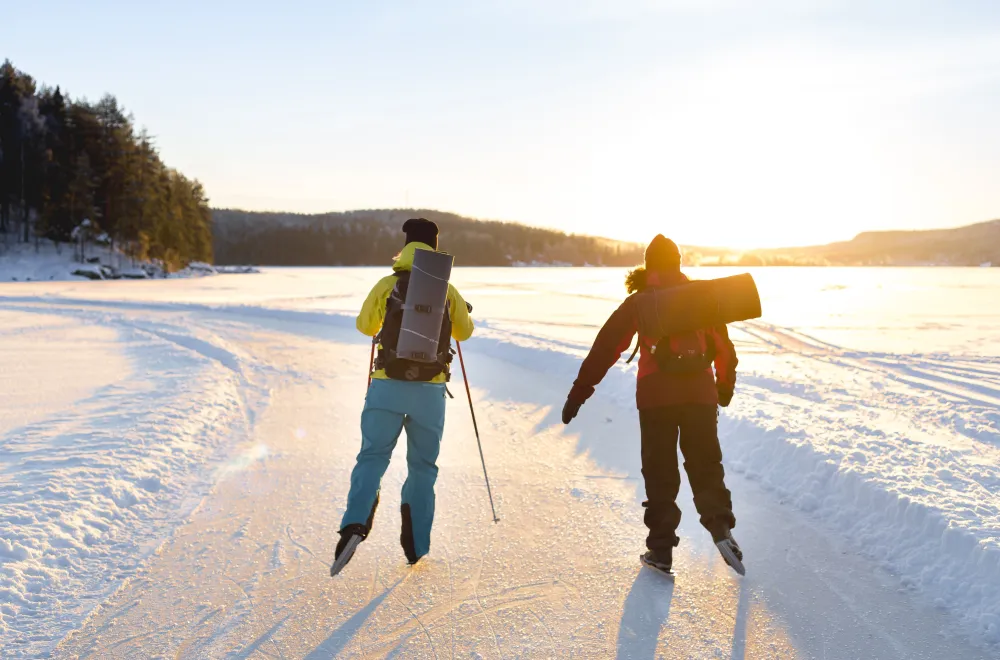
(416, 617)
(244, 592)
(475, 592)
(371, 591)
(551, 636)
(836, 588)
(253, 615)
(513, 598)
(451, 600)
(136, 637)
(262, 640)
(297, 544)
(371, 599)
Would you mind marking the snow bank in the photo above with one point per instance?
(196, 269)
(88, 495)
(21, 262)
(237, 270)
(918, 539)
(886, 463)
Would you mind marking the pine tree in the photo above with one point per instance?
(80, 192)
(55, 222)
(63, 162)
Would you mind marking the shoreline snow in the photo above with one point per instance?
(24, 262)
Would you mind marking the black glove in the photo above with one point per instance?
(570, 410)
(725, 395)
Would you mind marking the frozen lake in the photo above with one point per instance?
(902, 310)
(174, 458)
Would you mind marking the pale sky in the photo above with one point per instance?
(717, 122)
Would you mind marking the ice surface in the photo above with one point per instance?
(175, 457)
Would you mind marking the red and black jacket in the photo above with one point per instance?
(655, 388)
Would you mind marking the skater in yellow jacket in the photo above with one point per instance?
(413, 400)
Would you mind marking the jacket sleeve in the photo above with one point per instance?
(461, 321)
(614, 338)
(725, 359)
(372, 313)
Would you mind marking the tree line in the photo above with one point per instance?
(74, 170)
(364, 238)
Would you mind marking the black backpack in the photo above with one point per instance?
(398, 368)
(690, 359)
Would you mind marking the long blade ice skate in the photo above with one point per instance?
(346, 555)
(666, 572)
(725, 547)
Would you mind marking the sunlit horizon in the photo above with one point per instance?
(788, 124)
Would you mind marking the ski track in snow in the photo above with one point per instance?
(893, 458)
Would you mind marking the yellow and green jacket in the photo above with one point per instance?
(373, 311)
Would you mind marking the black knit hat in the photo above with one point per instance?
(421, 230)
(662, 254)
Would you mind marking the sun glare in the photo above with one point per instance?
(737, 156)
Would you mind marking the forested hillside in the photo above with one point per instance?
(371, 238)
(64, 161)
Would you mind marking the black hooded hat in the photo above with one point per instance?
(421, 230)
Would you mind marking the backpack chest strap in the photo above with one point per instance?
(423, 309)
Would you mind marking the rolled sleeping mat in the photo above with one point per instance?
(697, 305)
(425, 305)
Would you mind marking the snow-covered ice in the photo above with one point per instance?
(175, 456)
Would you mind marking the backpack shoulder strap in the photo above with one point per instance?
(638, 343)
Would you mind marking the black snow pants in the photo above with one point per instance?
(697, 425)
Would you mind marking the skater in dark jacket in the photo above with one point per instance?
(677, 394)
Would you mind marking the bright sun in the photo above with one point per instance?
(740, 160)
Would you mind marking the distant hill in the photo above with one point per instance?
(361, 238)
(972, 245)
(356, 238)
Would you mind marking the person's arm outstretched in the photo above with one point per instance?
(614, 338)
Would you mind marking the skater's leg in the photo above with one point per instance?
(424, 427)
(703, 464)
(658, 428)
(381, 425)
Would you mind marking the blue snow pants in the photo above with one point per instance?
(390, 407)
